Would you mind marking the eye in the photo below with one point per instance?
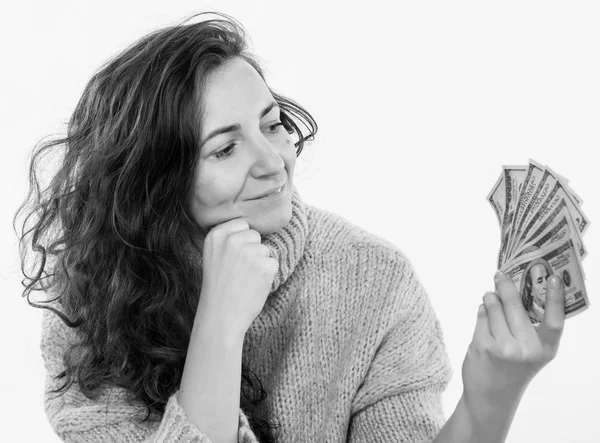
(275, 127)
(223, 153)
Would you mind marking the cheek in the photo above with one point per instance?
(213, 193)
(219, 186)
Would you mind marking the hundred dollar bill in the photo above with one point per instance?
(497, 198)
(576, 198)
(549, 223)
(530, 273)
(539, 195)
(532, 179)
(560, 228)
(555, 198)
(513, 177)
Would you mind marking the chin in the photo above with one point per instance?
(272, 222)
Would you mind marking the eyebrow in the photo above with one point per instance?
(237, 126)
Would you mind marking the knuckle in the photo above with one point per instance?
(232, 227)
(270, 266)
(532, 356)
(231, 240)
(550, 351)
(255, 235)
(481, 346)
(485, 348)
(507, 289)
(240, 223)
(512, 302)
(247, 254)
(507, 293)
(510, 352)
(555, 327)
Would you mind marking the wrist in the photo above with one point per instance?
(216, 326)
(217, 331)
(489, 418)
(479, 403)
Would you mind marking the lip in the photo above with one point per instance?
(271, 193)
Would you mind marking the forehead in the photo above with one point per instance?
(538, 270)
(232, 92)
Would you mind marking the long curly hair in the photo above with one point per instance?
(112, 230)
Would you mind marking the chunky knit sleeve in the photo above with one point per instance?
(400, 398)
(110, 417)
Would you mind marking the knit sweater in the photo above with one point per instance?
(347, 347)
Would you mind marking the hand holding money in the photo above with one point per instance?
(506, 352)
(541, 229)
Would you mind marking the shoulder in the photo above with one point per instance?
(56, 336)
(387, 297)
(333, 237)
(330, 232)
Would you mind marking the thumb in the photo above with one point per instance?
(551, 327)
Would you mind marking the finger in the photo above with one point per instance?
(551, 327)
(517, 319)
(497, 322)
(482, 327)
(231, 226)
(259, 249)
(247, 236)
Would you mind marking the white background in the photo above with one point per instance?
(419, 105)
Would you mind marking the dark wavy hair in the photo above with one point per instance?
(112, 229)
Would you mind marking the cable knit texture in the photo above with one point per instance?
(347, 346)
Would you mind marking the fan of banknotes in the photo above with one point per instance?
(541, 227)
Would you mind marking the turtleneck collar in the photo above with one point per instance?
(287, 244)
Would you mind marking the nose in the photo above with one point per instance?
(266, 159)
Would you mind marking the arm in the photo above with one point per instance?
(504, 356)
(211, 380)
(111, 417)
(485, 422)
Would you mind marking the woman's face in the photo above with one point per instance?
(245, 152)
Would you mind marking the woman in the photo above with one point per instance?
(179, 254)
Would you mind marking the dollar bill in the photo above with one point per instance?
(559, 228)
(556, 196)
(549, 226)
(532, 179)
(576, 198)
(541, 228)
(513, 178)
(531, 271)
(538, 196)
(497, 198)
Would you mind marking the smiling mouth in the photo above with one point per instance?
(272, 193)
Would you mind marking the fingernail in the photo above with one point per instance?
(498, 274)
(553, 282)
